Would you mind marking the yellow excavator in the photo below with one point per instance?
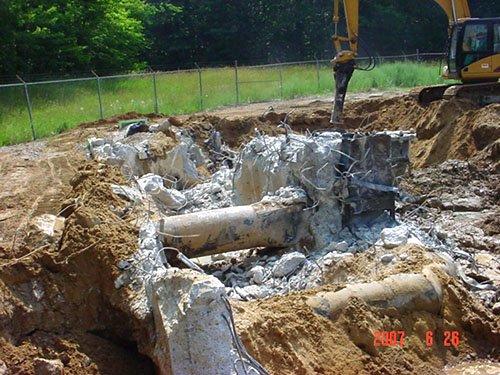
(473, 56)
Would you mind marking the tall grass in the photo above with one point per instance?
(60, 106)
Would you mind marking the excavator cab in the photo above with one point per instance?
(474, 51)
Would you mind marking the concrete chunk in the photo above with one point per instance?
(48, 366)
(288, 264)
(394, 237)
(192, 335)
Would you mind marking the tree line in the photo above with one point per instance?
(71, 36)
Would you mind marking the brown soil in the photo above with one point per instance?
(62, 296)
(454, 129)
(288, 338)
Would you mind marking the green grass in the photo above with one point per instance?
(61, 106)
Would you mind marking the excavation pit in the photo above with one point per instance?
(136, 270)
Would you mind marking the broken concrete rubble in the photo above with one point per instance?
(153, 185)
(145, 153)
(49, 225)
(342, 174)
(296, 192)
(257, 274)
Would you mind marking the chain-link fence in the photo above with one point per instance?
(32, 110)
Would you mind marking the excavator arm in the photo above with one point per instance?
(344, 61)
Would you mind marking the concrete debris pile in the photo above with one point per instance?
(151, 152)
(302, 192)
(318, 197)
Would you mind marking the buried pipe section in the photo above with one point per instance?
(234, 228)
(403, 292)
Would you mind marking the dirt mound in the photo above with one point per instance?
(62, 295)
(446, 129)
(288, 338)
(113, 120)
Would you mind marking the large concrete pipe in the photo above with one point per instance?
(404, 292)
(235, 228)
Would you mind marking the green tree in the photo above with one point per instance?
(58, 36)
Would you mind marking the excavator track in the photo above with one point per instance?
(480, 93)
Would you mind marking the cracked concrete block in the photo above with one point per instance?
(193, 336)
(50, 225)
(46, 229)
(127, 192)
(153, 185)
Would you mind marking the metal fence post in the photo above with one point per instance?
(317, 74)
(155, 93)
(237, 82)
(200, 86)
(28, 105)
(280, 69)
(418, 55)
(101, 113)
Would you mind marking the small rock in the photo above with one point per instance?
(164, 126)
(257, 274)
(415, 241)
(50, 225)
(496, 308)
(386, 258)
(288, 264)
(3, 368)
(341, 247)
(328, 259)
(441, 233)
(154, 128)
(393, 237)
(48, 366)
(96, 142)
(122, 280)
(251, 292)
(124, 265)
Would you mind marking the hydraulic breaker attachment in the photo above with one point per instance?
(342, 73)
